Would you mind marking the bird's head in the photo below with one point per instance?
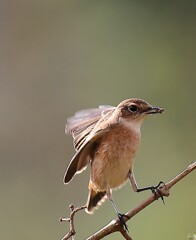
(135, 110)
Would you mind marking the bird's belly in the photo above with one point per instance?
(117, 174)
(111, 172)
(113, 160)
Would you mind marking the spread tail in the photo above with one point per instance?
(94, 199)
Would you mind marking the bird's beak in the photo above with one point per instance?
(154, 110)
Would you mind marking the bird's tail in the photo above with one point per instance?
(94, 199)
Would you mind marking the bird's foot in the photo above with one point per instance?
(157, 190)
(122, 221)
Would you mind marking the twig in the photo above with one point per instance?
(114, 225)
(125, 234)
(72, 231)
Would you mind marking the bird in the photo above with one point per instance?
(108, 138)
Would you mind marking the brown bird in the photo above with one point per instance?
(108, 139)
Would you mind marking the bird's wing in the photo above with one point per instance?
(81, 126)
(82, 157)
(82, 123)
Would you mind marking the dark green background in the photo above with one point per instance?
(57, 57)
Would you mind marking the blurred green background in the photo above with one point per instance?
(57, 57)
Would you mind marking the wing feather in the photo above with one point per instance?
(82, 123)
(82, 157)
(82, 128)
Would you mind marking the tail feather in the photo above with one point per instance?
(94, 199)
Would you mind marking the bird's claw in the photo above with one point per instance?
(156, 189)
(122, 221)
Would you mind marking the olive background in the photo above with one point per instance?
(57, 57)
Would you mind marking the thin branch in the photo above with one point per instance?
(73, 211)
(114, 225)
(181, 175)
(125, 234)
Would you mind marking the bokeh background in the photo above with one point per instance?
(57, 57)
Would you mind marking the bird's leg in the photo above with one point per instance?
(154, 189)
(120, 215)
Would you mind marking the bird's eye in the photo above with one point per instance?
(133, 108)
